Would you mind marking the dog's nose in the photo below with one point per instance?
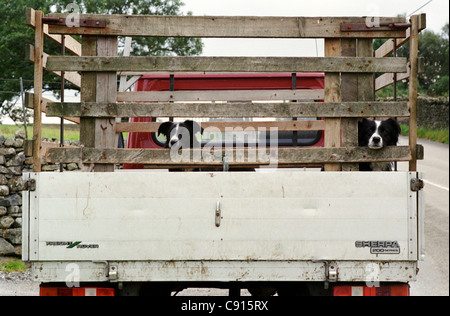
(376, 140)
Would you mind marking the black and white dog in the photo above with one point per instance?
(376, 135)
(181, 135)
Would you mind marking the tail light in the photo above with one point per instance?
(360, 290)
(76, 291)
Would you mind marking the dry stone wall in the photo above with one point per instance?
(12, 164)
(433, 113)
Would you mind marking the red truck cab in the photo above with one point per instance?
(217, 82)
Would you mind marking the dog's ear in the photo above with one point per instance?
(362, 121)
(393, 124)
(194, 127)
(164, 129)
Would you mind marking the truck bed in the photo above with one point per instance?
(200, 226)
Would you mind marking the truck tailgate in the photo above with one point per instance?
(283, 216)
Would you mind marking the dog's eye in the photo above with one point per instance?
(180, 136)
(381, 129)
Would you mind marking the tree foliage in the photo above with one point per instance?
(434, 48)
(161, 46)
(15, 36)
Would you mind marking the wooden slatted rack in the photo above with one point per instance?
(349, 66)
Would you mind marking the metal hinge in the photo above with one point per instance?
(417, 184)
(81, 22)
(112, 272)
(30, 185)
(331, 273)
(111, 269)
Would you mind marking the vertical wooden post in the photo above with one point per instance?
(413, 86)
(99, 87)
(105, 135)
(365, 80)
(38, 78)
(332, 94)
(88, 92)
(349, 93)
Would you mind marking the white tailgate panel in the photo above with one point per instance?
(265, 216)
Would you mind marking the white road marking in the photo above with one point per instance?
(436, 185)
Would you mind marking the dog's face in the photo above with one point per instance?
(180, 135)
(378, 134)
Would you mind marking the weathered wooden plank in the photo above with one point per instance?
(349, 92)
(332, 94)
(225, 26)
(413, 89)
(71, 76)
(29, 97)
(105, 136)
(365, 80)
(388, 47)
(228, 64)
(366, 90)
(38, 86)
(221, 95)
(219, 110)
(88, 92)
(71, 44)
(388, 78)
(28, 147)
(152, 127)
(214, 156)
(349, 82)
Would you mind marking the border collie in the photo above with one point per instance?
(376, 135)
(180, 135)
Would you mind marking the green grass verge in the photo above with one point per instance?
(71, 131)
(8, 130)
(12, 265)
(440, 136)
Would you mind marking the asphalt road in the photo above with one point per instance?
(433, 278)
